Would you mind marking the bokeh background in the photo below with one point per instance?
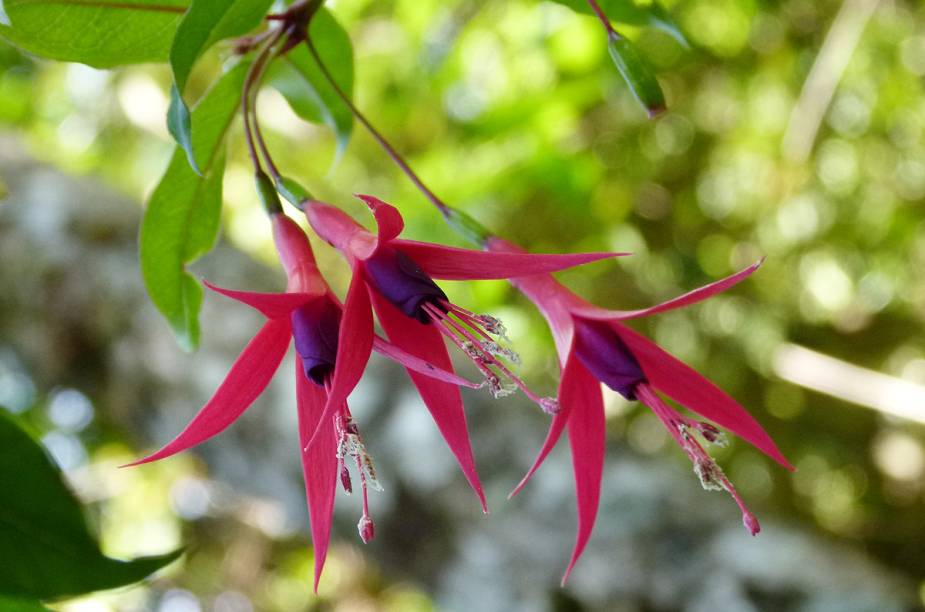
(795, 132)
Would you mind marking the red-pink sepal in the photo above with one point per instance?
(684, 385)
(587, 441)
(281, 305)
(270, 305)
(589, 311)
(552, 298)
(442, 400)
(247, 379)
(387, 217)
(319, 466)
(295, 253)
(340, 231)
(567, 393)
(451, 263)
(354, 346)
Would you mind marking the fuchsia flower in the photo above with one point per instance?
(395, 277)
(324, 338)
(595, 347)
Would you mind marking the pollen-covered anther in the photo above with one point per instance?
(712, 434)
(345, 481)
(711, 476)
(499, 389)
(493, 326)
(497, 350)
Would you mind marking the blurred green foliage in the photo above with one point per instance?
(513, 112)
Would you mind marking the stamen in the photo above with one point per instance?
(349, 442)
(366, 527)
(497, 350)
(711, 475)
(345, 481)
(485, 322)
(339, 432)
(482, 355)
(499, 389)
(711, 434)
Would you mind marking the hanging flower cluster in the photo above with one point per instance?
(394, 281)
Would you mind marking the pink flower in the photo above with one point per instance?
(327, 341)
(395, 277)
(595, 347)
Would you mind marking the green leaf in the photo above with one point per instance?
(304, 86)
(630, 13)
(46, 546)
(179, 124)
(101, 33)
(9, 604)
(182, 217)
(205, 23)
(637, 74)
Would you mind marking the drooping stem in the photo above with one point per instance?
(602, 16)
(444, 209)
(247, 94)
(265, 152)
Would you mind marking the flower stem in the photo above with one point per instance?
(602, 16)
(462, 223)
(251, 82)
(389, 149)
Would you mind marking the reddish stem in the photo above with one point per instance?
(396, 157)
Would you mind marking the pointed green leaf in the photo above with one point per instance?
(101, 33)
(180, 126)
(205, 23)
(181, 220)
(9, 604)
(45, 544)
(304, 86)
(637, 74)
(628, 12)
